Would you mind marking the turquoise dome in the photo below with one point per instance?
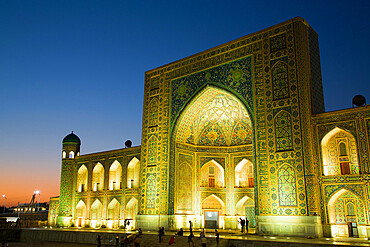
(72, 138)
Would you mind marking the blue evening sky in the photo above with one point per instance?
(79, 65)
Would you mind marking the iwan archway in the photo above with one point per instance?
(212, 136)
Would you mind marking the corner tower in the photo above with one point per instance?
(71, 148)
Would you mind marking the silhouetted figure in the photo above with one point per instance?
(190, 239)
(217, 237)
(140, 232)
(160, 234)
(190, 226)
(246, 224)
(117, 240)
(98, 240)
(180, 233)
(242, 223)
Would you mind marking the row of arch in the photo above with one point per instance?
(114, 176)
(113, 212)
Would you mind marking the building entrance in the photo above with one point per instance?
(211, 219)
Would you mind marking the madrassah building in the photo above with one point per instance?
(239, 130)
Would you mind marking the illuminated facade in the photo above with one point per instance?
(237, 130)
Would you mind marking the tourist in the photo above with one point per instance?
(190, 239)
(98, 240)
(190, 226)
(160, 234)
(137, 241)
(217, 237)
(203, 240)
(246, 224)
(117, 240)
(180, 233)
(242, 222)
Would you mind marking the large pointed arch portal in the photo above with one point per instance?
(212, 135)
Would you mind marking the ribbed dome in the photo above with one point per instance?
(72, 138)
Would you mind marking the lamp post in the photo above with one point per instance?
(37, 192)
(4, 203)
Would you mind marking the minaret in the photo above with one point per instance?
(71, 149)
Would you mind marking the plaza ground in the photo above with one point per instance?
(150, 239)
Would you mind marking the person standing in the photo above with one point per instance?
(246, 224)
(242, 222)
(217, 237)
(98, 240)
(190, 225)
(203, 240)
(190, 239)
(117, 241)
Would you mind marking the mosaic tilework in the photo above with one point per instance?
(280, 82)
(235, 76)
(283, 131)
(349, 205)
(287, 186)
(153, 118)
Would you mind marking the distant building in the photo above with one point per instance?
(238, 130)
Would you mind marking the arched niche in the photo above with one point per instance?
(212, 175)
(244, 176)
(82, 176)
(98, 177)
(339, 153)
(115, 174)
(133, 173)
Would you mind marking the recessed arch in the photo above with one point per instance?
(115, 174)
(339, 153)
(96, 210)
(132, 208)
(214, 117)
(82, 176)
(114, 209)
(244, 175)
(213, 202)
(338, 208)
(133, 173)
(212, 175)
(98, 177)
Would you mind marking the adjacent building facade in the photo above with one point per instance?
(239, 130)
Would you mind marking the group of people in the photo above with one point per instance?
(244, 224)
(137, 239)
(124, 241)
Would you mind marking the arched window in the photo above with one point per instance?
(71, 155)
(351, 209)
(280, 84)
(342, 149)
(98, 177)
(152, 151)
(150, 192)
(153, 113)
(283, 131)
(287, 186)
(133, 171)
(82, 179)
(115, 173)
(64, 155)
